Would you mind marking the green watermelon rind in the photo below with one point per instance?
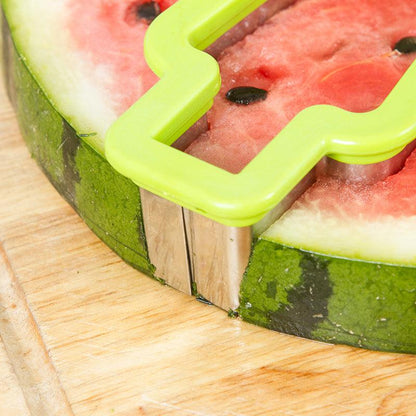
(108, 202)
(330, 299)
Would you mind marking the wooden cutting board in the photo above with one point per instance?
(84, 334)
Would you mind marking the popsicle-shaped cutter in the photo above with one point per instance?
(224, 210)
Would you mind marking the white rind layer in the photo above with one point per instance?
(384, 239)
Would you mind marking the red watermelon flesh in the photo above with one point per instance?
(111, 34)
(315, 52)
(394, 196)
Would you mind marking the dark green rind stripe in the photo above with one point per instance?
(108, 202)
(308, 300)
(70, 144)
(360, 303)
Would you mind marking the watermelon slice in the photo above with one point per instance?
(65, 86)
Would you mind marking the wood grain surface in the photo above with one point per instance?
(12, 401)
(87, 335)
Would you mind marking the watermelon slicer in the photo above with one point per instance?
(185, 92)
(234, 207)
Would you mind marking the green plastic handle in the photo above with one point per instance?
(138, 143)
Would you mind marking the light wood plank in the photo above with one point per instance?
(12, 401)
(23, 343)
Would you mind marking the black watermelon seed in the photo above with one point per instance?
(406, 45)
(148, 11)
(246, 95)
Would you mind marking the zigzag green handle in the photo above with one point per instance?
(137, 144)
